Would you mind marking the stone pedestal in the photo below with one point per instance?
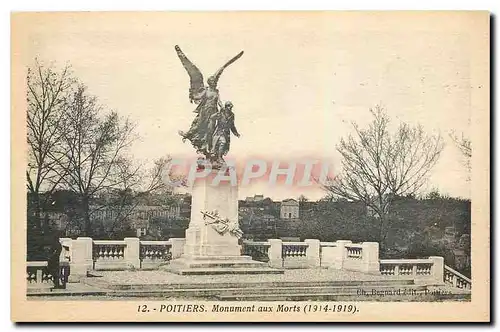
(81, 258)
(207, 196)
(207, 251)
(370, 259)
(131, 254)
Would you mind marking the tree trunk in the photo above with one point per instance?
(86, 216)
(381, 233)
(34, 232)
(37, 214)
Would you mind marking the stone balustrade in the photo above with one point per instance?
(152, 254)
(361, 257)
(456, 279)
(38, 276)
(342, 254)
(85, 254)
(294, 255)
(312, 253)
(431, 268)
(109, 255)
(259, 251)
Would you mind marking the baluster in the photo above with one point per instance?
(106, 252)
(396, 270)
(167, 253)
(39, 276)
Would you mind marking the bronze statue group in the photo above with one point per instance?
(210, 131)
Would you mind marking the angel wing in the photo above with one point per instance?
(195, 76)
(217, 74)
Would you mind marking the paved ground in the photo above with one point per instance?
(161, 277)
(104, 279)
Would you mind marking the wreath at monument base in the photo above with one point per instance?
(222, 225)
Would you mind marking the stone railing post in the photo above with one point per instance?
(369, 260)
(81, 258)
(177, 247)
(341, 254)
(312, 252)
(65, 255)
(274, 253)
(132, 252)
(437, 270)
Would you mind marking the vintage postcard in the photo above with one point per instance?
(250, 166)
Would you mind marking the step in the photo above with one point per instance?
(253, 285)
(69, 293)
(221, 264)
(340, 297)
(218, 258)
(226, 270)
(237, 292)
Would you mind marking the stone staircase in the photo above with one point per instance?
(219, 265)
(375, 290)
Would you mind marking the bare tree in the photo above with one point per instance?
(47, 92)
(302, 199)
(464, 145)
(137, 186)
(92, 150)
(378, 166)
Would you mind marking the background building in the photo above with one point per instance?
(289, 209)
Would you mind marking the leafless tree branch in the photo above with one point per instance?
(378, 166)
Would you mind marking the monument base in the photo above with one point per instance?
(209, 249)
(201, 265)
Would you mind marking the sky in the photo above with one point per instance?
(301, 82)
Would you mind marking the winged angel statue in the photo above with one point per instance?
(210, 129)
